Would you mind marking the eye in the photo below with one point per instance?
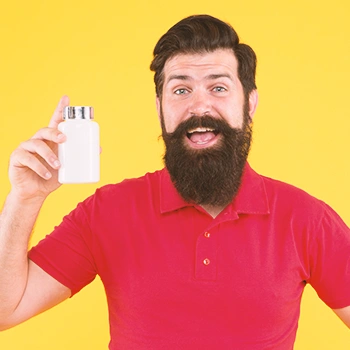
(181, 91)
(219, 89)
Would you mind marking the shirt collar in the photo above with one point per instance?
(170, 199)
(250, 199)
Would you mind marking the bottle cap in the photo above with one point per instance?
(78, 112)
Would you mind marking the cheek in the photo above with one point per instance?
(232, 114)
(170, 124)
(172, 116)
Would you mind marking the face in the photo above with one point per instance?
(203, 84)
(206, 126)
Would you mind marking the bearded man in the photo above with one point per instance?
(203, 254)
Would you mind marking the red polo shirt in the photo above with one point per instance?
(175, 278)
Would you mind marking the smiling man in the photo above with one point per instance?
(203, 254)
(205, 119)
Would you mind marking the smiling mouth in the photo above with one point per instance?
(202, 137)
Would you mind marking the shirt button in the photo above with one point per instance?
(206, 261)
(206, 234)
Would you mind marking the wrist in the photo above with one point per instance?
(16, 198)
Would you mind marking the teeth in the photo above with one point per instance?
(200, 129)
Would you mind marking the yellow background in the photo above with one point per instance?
(98, 52)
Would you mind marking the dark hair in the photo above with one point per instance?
(199, 34)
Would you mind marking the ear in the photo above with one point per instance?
(158, 107)
(253, 103)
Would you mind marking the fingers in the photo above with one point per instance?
(49, 134)
(23, 159)
(26, 156)
(27, 153)
(38, 153)
(57, 116)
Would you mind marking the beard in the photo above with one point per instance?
(208, 176)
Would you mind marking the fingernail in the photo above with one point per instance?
(60, 136)
(48, 175)
(56, 163)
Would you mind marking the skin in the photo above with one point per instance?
(25, 289)
(199, 84)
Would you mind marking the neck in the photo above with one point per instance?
(213, 210)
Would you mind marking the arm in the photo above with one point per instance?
(344, 315)
(25, 289)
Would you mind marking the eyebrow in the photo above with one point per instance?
(208, 77)
(218, 76)
(178, 77)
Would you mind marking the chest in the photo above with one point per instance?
(235, 273)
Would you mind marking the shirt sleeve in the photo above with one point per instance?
(329, 259)
(66, 254)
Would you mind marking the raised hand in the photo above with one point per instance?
(34, 165)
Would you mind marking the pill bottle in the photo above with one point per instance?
(80, 153)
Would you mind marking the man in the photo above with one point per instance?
(205, 253)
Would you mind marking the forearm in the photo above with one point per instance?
(16, 225)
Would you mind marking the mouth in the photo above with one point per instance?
(202, 137)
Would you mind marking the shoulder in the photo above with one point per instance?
(287, 193)
(297, 203)
(132, 186)
(126, 192)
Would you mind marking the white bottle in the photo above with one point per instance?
(80, 153)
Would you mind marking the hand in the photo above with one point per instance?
(33, 169)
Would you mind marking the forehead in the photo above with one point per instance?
(218, 61)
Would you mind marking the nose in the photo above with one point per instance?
(200, 104)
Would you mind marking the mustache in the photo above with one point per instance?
(207, 121)
(211, 175)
